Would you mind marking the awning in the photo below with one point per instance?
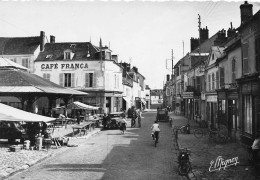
(127, 99)
(17, 81)
(79, 105)
(8, 113)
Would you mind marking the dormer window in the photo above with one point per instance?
(73, 45)
(68, 54)
(212, 56)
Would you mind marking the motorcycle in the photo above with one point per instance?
(184, 166)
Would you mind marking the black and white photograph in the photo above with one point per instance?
(130, 90)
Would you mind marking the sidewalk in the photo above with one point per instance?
(203, 152)
(12, 162)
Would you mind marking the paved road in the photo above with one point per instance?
(110, 155)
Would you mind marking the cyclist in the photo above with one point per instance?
(155, 130)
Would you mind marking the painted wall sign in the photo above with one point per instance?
(212, 98)
(50, 66)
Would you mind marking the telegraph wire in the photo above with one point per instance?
(27, 33)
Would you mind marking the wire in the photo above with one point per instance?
(15, 26)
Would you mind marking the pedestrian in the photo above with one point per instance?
(134, 116)
(139, 118)
(78, 117)
(104, 121)
(123, 124)
(256, 147)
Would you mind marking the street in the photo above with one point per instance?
(111, 155)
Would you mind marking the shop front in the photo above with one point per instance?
(188, 98)
(249, 107)
(211, 110)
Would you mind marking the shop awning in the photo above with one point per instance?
(79, 105)
(8, 113)
(127, 99)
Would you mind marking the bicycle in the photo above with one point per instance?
(133, 123)
(184, 166)
(156, 137)
(214, 134)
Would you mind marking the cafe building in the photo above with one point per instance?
(84, 67)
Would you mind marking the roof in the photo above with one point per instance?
(7, 63)
(16, 81)
(19, 45)
(55, 51)
(8, 113)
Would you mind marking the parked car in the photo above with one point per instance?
(114, 120)
(162, 115)
(12, 130)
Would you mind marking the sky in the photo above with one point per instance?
(143, 33)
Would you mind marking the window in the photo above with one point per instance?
(213, 81)
(13, 59)
(233, 70)
(222, 77)
(247, 112)
(47, 76)
(108, 55)
(25, 62)
(89, 80)
(67, 55)
(257, 53)
(198, 86)
(67, 79)
(245, 58)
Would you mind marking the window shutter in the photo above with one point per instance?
(222, 77)
(48, 76)
(72, 79)
(61, 79)
(217, 80)
(87, 80)
(94, 79)
(44, 76)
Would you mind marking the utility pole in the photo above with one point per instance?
(172, 66)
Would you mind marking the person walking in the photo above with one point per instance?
(123, 124)
(139, 118)
(134, 116)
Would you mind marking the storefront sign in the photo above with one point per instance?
(188, 95)
(50, 66)
(212, 98)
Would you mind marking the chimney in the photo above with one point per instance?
(246, 12)
(115, 58)
(42, 40)
(221, 38)
(204, 34)
(52, 39)
(231, 31)
(194, 43)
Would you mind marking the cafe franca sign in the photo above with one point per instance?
(50, 66)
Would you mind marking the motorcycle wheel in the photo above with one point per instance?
(184, 168)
